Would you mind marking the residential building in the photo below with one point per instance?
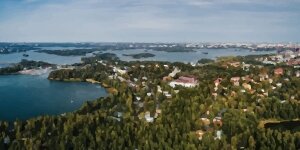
(298, 73)
(218, 81)
(235, 80)
(148, 117)
(278, 71)
(199, 134)
(247, 86)
(234, 64)
(184, 81)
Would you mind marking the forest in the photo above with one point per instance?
(191, 118)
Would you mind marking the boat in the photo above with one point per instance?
(204, 52)
(25, 55)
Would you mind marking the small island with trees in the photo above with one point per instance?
(140, 55)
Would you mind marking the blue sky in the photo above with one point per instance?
(149, 20)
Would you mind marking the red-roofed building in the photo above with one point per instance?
(235, 80)
(185, 81)
(218, 81)
(278, 71)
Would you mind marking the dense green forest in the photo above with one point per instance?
(225, 116)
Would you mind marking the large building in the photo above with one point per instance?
(184, 81)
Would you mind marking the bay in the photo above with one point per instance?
(25, 96)
(186, 57)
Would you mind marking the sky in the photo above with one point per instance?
(149, 20)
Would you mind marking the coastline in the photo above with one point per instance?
(105, 86)
(262, 123)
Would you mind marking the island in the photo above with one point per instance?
(140, 55)
(72, 52)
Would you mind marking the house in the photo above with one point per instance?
(233, 94)
(214, 94)
(205, 120)
(235, 80)
(119, 114)
(247, 78)
(234, 64)
(157, 112)
(270, 81)
(282, 101)
(167, 94)
(184, 81)
(174, 72)
(293, 62)
(159, 90)
(120, 71)
(218, 121)
(138, 98)
(268, 62)
(199, 134)
(246, 66)
(121, 79)
(167, 78)
(218, 81)
(218, 134)
(278, 84)
(263, 76)
(145, 78)
(298, 73)
(148, 117)
(246, 86)
(166, 66)
(278, 71)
